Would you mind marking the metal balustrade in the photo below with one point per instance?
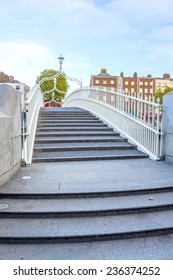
(33, 102)
(136, 116)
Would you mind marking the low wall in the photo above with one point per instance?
(168, 126)
(10, 132)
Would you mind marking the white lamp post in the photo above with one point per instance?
(60, 58)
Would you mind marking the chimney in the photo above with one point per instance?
(11, 79)
(122, 74)
(166, 76)
(135, 75)
(103, 71)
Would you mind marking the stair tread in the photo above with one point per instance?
(85, 226)
(71, 125)
(86, 204)
(60, 120)
(46, 129)
(82, 138)
(27, 187)
(76, 133)
(78, 145)
(87, 153)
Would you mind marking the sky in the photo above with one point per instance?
(119, 35)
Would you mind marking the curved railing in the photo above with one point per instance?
(137, 117)
(33, 102)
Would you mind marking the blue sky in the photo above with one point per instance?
(120, 35)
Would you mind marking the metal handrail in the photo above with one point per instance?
(33, 103)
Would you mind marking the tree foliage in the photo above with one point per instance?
(4, 78)
(61, 84)
(160, 93)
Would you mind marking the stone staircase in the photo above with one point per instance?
(73, 134)
(44, 211)
(68, 217)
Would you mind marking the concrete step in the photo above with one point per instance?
(68, 118)
(87, 155)
(79, 135)
(78, 115)
(80, 128)
(75, 133)
(86, 207)
(83, 147)
(58, 112)
(61, 125)
(79, 139)
(99, 191)
(85, 229)
(77, 121)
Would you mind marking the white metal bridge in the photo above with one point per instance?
(136, 117)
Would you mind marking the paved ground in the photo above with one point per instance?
(92, 176)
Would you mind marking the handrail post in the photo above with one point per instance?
(168, 126)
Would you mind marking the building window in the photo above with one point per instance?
(132, 83)
(146, 90)
(97, 82)
(104, 82)
(18, 87)
(112, 82)
(141, 83)
(146, 83)
(141, 90)
(126, 89)
(126, 82)
(151, 83)
(151, 90)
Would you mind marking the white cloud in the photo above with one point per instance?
(24, 60)
(123, 35)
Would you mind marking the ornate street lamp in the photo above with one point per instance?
(60, 58)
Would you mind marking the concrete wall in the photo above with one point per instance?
(168, 126)
(10, 132)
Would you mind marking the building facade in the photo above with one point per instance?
(21, 87)
(162, 83)
(142, 85)
(105, 80)
(135, 84)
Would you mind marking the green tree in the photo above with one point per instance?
(160, 93)
(61, 84)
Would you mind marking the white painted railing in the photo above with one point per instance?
(33, 102)
(135, 116)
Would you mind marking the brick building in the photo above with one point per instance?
(105, 80)
(135, 84)
(143, 85)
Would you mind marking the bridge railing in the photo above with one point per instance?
(33, 102)
(137, 116)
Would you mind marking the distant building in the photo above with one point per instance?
(142, 85)
(135, 84)
(21, 87)
(162, 83)
(105, 80)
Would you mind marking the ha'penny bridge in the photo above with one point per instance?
(99, 168)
